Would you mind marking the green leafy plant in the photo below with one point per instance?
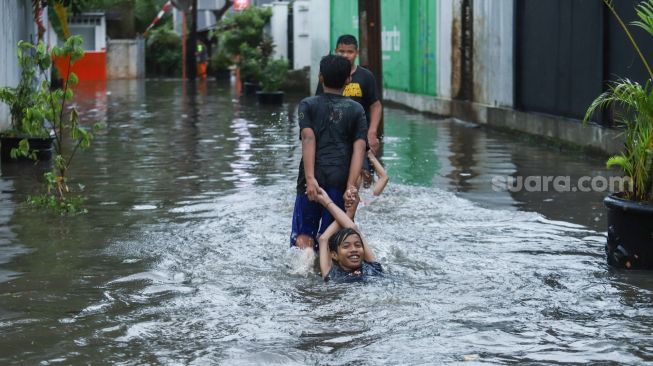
(242, 38)
(221, 61)
(250, 61)
(163, 52)
(632, 105)
(274, 75)
(26, 118)
(244, 27)
(49, 110)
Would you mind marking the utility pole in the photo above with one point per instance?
(191, 45)
(369, 24)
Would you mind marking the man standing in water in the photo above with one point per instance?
(332, 130)
(361, 89)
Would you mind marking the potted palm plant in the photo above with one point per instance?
(272, 77)
(630, 212)
(27, 136)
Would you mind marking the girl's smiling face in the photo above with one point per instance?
(350, 253)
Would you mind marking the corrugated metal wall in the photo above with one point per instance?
(16, 24)
(493, 52)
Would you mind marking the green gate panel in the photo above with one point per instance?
(344, 20)
(422, 46)
(395, 44)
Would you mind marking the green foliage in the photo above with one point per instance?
(274, 75)
(645, 14)
(145, 11)
(244, 27)
(632, 106)
(27, 117)
(54, 200)
(221, 61)
(241, 37)
(49, 110)
(250, 63)
(163, 52)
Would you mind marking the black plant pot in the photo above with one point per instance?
(275, 98)
(630, 233)
(250, 88)
(222, 74)
(41, 145)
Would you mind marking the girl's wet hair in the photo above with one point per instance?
(336, 239)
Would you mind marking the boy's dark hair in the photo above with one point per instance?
(347, 39)
(336, 239)
(335, 70)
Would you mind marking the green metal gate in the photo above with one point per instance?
(408, 36)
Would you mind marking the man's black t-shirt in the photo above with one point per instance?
(362, 89)
(337, 123)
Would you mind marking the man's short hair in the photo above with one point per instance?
(347, 39)
(335, 70)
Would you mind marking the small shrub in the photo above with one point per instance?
(163, 53)
(274, 75)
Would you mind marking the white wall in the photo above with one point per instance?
(279, 28)
(444, 24)
(320, 34)
(493, 52)
(126, 59)
(301, 34)
(16, 23)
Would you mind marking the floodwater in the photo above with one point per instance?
(183, 258)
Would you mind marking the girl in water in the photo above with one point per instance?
(345, 255)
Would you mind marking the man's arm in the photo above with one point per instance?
(308, 155)
(375, 119)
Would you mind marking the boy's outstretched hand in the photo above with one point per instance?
(351, 197)
(312, 188)
(323, 197)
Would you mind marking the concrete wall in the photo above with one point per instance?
(126, 58)
(279, 28)
(301, 34)
(17, 24)
(493, 52)
(319, 14)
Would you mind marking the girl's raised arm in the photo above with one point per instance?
(383, 176)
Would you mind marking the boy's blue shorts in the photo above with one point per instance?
(311, 218)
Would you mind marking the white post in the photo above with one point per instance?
(301, 34)
(320, 34)
(279, 28)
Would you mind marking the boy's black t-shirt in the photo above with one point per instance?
(337, 123)
(362, 89)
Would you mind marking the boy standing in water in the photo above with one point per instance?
(333, 129)
(361, 89)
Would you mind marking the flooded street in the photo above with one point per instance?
(183, 258)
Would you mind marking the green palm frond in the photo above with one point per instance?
(620, 161)
(645, 14)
